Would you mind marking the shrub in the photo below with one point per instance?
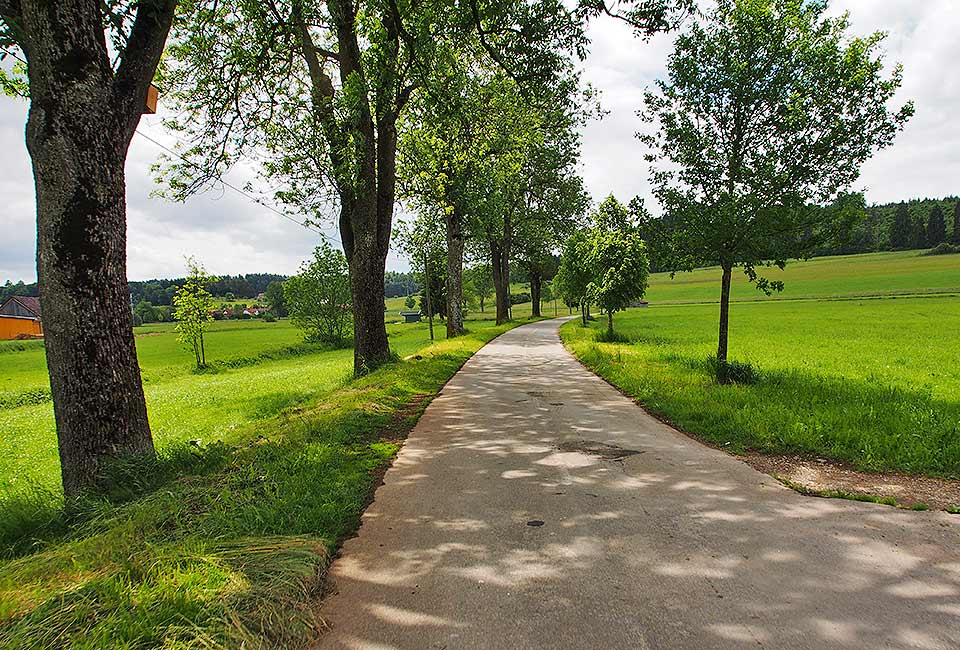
(943, 248)
(519, 298)
(269, 318)
(733, 372)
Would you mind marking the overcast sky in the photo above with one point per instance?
(234, 235)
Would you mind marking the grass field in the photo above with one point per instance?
(265, 465)
(872, 380)
(849, 276)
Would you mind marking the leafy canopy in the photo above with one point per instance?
(769, 107)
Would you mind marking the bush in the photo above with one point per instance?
(733, 372)
(519, 298)
(943, 249)
(269, 318)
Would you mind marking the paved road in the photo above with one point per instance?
(675, 546)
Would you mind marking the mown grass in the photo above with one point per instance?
(222, 542)
(875, 382)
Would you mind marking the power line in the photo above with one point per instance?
(243, 193)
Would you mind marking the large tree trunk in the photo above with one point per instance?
(454, 224)
(82, 118)
(367, 260)
(536, 282)
(724, 312)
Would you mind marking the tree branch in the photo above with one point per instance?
(140, 58)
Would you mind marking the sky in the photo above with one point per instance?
(231, 234)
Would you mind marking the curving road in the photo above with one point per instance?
(648, 539)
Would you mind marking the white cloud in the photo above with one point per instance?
(233, 235)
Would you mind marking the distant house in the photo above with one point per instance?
(411, 316)
(20, 318)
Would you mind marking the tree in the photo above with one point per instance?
(769, 108)
(956, 223)
(145, 312)
(901, 231)
(85, 102)
(480, 280)
(192, 305)
(319, 297)
(273, 294)
(315, 91)
(574, 275)
(410, 302)
(617, 260)
(936, 226)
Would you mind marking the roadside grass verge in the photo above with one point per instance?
(226, 542)
(873, 383)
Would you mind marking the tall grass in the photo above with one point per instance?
(222, 542)
(872, 382)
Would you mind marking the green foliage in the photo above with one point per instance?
(275, 298)
(574, 275)
(145, 312)
(192, 306)
(943, 249)
(410, 302)
(319, 297)
(770, 108)
(618, 265)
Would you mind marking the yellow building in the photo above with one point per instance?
(20, 318)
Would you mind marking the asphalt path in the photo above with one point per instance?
(535, 507)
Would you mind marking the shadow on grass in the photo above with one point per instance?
(214, 546)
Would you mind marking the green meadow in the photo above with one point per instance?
(266, 462)
(855, 374)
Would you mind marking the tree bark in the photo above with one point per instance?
(610, 324)
(536, 281)
(367, 261)
(501, 280)
(724, 311)
(82, 118)
(500, 260)
(454, 223)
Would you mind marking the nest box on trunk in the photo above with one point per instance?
(153, 93)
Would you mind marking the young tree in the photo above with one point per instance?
(769, 107)
(936, 226)
(319, 297)
(192, 305)
(618, 264)
(410, 302)
(85, 102)
(574, 275)
(480, 279)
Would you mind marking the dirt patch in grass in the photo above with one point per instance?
(820, 475)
